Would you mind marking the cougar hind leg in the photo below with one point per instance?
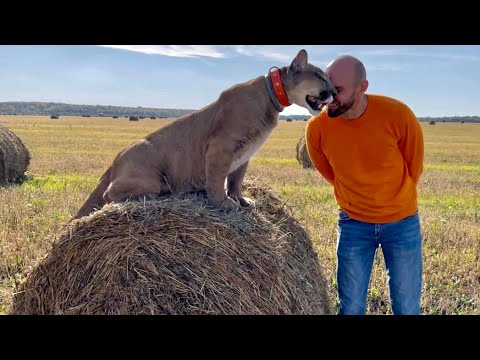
(124, 188)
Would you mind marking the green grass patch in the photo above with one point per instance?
(449, 201)
(452, 167)
(274, 161)
(60, 182)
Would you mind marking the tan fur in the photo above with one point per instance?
(202, 149)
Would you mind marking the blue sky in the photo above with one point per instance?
(434, 80)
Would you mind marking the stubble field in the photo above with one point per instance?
(70, 154)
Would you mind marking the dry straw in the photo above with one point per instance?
(302, 154)
(177, 255)
(14, 158)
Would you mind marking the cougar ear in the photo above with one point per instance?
(299, 62)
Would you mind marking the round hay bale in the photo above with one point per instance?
(14, 158)
(177, 255)
(302, 154)
(133, 118)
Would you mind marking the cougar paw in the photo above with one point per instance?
(229, 204)
(148, 197)
(245, 202)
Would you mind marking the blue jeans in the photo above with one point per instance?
(401, 243)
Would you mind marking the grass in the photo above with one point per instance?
(70, 154)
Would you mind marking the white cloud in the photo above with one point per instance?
(262, 51)
(423, 54)
(322, 64)
(381, 52)
(276, 56)
(458, 57)
(243, 50)
(385, 67)
(172, 50)
(270, 52)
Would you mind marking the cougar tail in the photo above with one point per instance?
(95, 200)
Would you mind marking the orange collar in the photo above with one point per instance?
(278, 87)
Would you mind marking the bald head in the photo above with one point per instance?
(349, 66)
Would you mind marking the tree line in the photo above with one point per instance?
(59, 109)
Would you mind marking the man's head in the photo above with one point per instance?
(349, 77)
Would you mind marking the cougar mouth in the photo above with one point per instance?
(316, 103)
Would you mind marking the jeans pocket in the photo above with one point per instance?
(342, 216)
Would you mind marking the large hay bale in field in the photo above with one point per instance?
(133, 118)
(14, 158)
(431, 123)
(302, 154)
(177, 255)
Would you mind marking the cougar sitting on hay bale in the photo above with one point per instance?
(14, 158)
(177, 255)
(203, 149)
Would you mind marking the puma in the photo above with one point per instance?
(201, 150)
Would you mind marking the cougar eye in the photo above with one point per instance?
(323, 95)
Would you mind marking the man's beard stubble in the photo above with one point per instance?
(342, 108)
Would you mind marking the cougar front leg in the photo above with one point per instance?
(218, 162)
(234, 186)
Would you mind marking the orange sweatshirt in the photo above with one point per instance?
(373, 162)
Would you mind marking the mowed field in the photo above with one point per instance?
(70, 154)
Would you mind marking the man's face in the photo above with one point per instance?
(343, 80)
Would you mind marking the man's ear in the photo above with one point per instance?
(363, 85)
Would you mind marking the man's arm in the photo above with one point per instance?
(317, 156)
(411, 145)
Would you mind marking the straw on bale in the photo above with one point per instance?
(14, 158)
(302, 154)
(177, 255)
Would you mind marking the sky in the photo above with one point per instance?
(433, 80)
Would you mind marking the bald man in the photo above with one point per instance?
(370, 148)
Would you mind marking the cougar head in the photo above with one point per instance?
(307, 85)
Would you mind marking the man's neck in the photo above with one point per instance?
(358, 110)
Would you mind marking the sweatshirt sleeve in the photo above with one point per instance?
(411, 145)
(312, 140)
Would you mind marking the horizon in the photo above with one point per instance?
(191, 77)
(174, 109)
